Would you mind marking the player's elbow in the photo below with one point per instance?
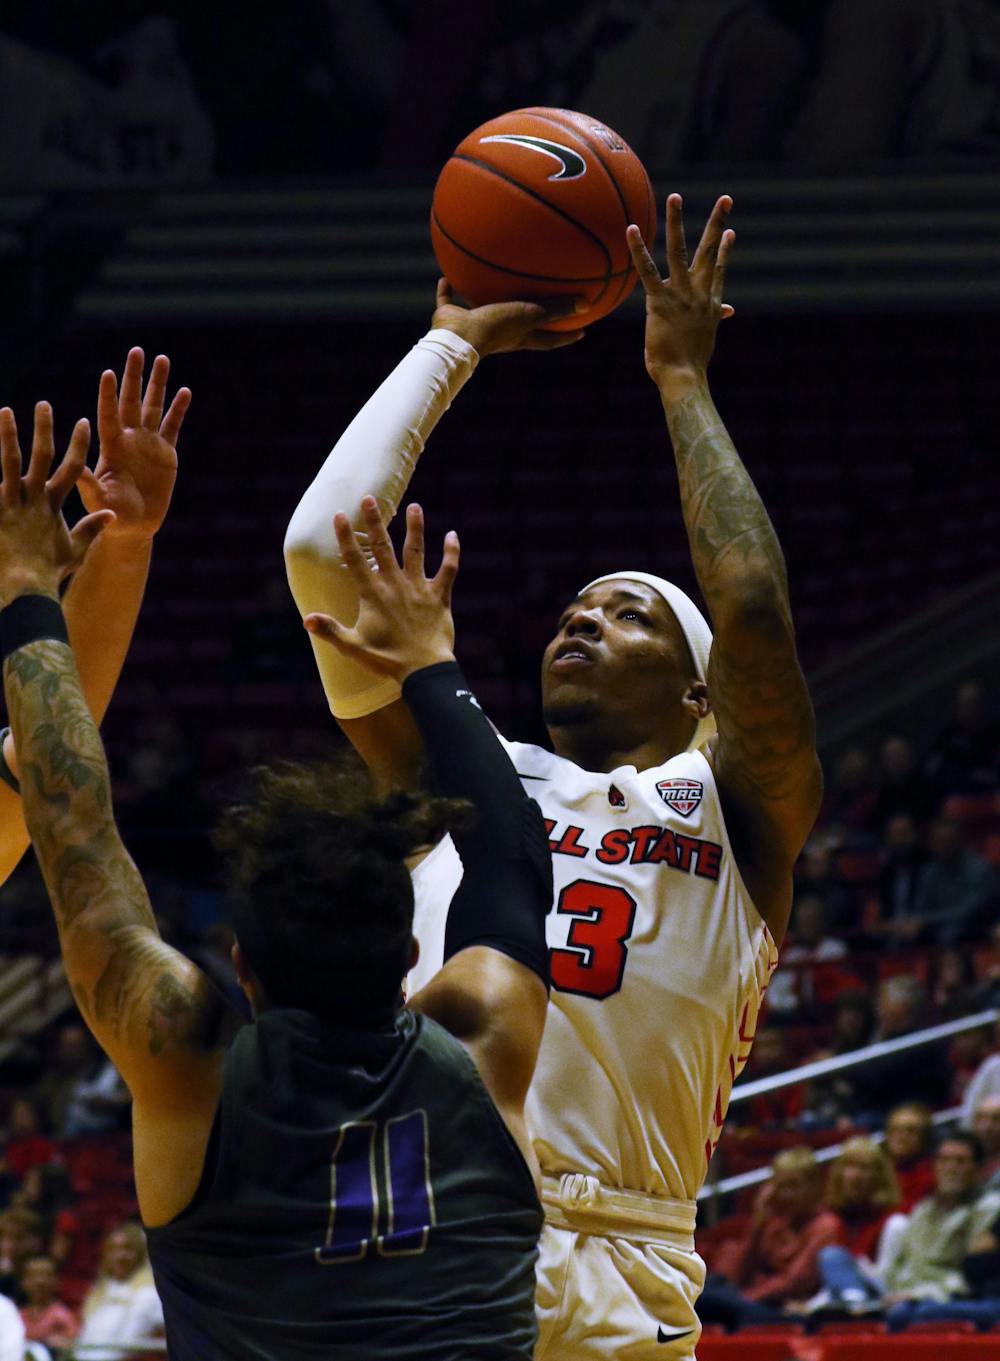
(755, 606)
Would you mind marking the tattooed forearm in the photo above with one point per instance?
(65, 788)
(729, 530)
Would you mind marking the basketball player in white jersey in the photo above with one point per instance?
(682, 785)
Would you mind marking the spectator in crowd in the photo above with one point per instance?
(11, 1331)
(902, 789)
(900, 877)
(985, 1125)
(988, 989)
(886, 1081)
(952, 984)
(45, 1317)
(908, 1136)
(925, 1269)
(21, 1237)
(9, 1180)
(863, 1190)
(27, 1146)
(123, 1308)
(797, 989)
(81, 1092)
(769, 1110)
(832, 1100)
(964, 758)
(48, 1191)
(900, 79)
(956, 890)
(71, 1061)
(816, 873)
(984, 1082)
(850, 805)
(775, 1263)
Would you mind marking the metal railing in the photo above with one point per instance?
(857, 1058)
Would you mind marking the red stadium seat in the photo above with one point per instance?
(943, 1326)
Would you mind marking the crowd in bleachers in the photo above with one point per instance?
(893, 930)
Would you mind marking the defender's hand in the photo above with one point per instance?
(501, 327)
(36, 547)
(137, 466)
(404, 622)
(683, 311)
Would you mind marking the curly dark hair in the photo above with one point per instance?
(321, 898)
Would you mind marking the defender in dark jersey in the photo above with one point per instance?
(348, 1177)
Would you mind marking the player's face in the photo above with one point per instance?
(617, 644)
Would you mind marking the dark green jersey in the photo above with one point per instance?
(362, 1198)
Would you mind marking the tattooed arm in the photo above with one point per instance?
(766, 762)
(153, 1012)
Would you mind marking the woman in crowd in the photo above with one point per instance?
(908, 1132)
(863, 1192)
(45, 1317)
(123, 1308)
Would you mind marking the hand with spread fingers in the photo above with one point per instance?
(502, 327)
(404, 621)
(683, 310)
(137, 465)
(37, 548)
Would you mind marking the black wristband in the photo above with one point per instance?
(29, 619)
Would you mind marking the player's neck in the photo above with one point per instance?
(592, 752)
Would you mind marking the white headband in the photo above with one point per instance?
(694, 626)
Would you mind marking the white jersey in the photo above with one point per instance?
(660, 962)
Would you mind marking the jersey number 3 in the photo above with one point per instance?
(354, 1190)
(593, 964)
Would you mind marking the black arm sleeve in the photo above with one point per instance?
(506, 890)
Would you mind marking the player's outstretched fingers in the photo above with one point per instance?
(677, 255)
(10, 459)
(66, 476)
(43, 451)
(444, 581)
(444, 294)
(330, 631)
(109, 421)
(552, 340)
(156, 393)
(719, 271)
(85, 531)
(413, 544)
(378, 536)
(645, 265)
(711, 238)
(350, 551)
(130, 397)
(174, 419)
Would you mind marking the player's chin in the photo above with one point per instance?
(565, 704)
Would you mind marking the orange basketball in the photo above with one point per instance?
(534, 204)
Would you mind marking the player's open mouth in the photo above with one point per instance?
(568, 661)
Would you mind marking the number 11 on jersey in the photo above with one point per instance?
(355, 1199)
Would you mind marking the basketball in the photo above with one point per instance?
(534, 204)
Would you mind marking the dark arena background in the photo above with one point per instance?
(247, 191)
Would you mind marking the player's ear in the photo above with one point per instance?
(696, 702)
(414, 952)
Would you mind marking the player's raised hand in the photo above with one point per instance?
(683, 310)
(500, 327)
(137, 465)
(404, 622)
(37, 548)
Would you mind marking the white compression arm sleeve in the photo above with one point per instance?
(377, 453)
